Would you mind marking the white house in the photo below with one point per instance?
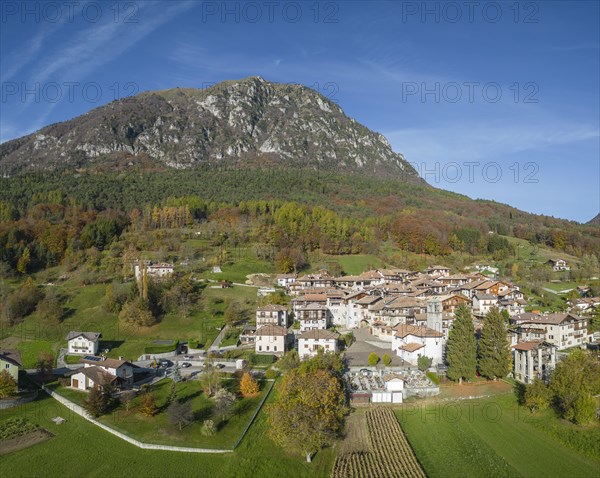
(98, 371)
(313, 316)
(270, 339)
(559, 265)
(83, 343)
(311, 341)
(562, 330)
(159, 270)
(482, 303)
(283, 280)
(272, 314)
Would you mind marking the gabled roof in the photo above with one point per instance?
(486, 297)
(108, 362)
(412, 347)
(531, 345)
(271, 331)
(11, 356)
(93, 336)
(319, 334)
(97, 375)
(404, 330)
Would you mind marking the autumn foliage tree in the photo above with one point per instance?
(308, 412)
(8, 385)
(249, 387)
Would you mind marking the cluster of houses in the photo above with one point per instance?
(97, 371)
(414, 311)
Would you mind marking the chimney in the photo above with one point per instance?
(121, 357)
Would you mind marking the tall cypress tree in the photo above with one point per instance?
(461, 351)
(494, 348)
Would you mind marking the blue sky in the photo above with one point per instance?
(495, 100)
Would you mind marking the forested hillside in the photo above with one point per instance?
(45, 218)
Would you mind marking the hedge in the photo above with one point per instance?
(259, 359)
(161, 349)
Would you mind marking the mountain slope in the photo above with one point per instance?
(250, 121)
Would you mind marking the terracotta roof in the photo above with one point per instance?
(88, 335)
(404, 330)
(273, 307)
(532, 345)
(12, 356)
(319, 334)
(553, 319)
(271, 331)
(411, 347)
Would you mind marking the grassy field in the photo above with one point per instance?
(495, 437)
(355, 264)
(85, 313)
(80, 449)
(158, 430)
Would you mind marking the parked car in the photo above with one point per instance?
(220, 365)
(188, 357)
(163, 363)
(186, 365)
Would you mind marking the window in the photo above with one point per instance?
(7, 365)
(305, 346)
(267, 348)
(260, 348)
(275, 348)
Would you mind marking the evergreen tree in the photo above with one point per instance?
(461, 351)
(494, 348)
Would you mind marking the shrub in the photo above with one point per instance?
(433, 377)
(8, 385)
(387, 360)
(208, 428)
(424, 362)
(373, 359)
(271, 374)
(259, 359)
(161, 349)
(148, 405)
(14, 427)
(249, 387)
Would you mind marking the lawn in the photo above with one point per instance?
(85, 313)
(30, 351)
(494, 437)
(97, 453)
(158, 430)
(355, 264)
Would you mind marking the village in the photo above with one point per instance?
(386, 323)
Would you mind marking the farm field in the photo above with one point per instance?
(389, 453)
(100, 454)
(495, 437)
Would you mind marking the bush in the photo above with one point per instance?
(271, 374)
(258, 359)
(433, 377)
(194, 344)
(387, 360)
(373, 359)
(424, 362)
(584, 409)
(161, 349)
